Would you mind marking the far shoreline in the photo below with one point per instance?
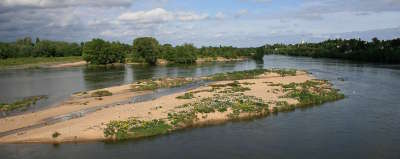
(77, 61)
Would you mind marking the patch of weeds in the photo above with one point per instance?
(248, 83)
(133, 128)
(21, 104)
(283, 106)
(284, 72)
(101, 93)
(274, 84)
(55, 134)
(153, 84)
(182, 118)
(313, 92)
(186, 96)
(234, 87)
(248, 104)
(237, 75)
(250, 74)
(150, 128)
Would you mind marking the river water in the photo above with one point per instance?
(366, 124)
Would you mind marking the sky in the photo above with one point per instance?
(240, 23)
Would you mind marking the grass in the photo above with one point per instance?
(312, 92)
(33, 62)
(21, 104)
(153, 84)
(55, 134)
(234, 87)
(186, 96)
(101, 93)
(284, 72)
(250, 74)
(237, 75)
(133, 128)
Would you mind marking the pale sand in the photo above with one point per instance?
(90, 127)
(72, 64)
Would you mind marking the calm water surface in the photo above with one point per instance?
(364, 125)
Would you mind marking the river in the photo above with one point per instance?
(366, 124)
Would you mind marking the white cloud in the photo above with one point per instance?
(220, 15)
(159, 15)
(241, 12)
(63, 3)
(190, 16)
(152, 16)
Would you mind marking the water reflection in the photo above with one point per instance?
(103, 76)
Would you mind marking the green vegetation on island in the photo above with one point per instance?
(21, 104)
(101, 93)
(228, 101)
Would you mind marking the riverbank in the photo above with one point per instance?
(198, 60)
(233, 96)
(74, 61)
(39, 62)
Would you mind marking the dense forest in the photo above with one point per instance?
(383, 51)
(98, 51)
(148, 49)
(41, 48)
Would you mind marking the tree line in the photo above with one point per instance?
(99, 51)
(382, 51)
(148, 49)
(41, 48)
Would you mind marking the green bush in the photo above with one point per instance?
(101, 93)
(100, 52)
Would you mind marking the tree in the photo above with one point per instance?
(147, 48)
(185, 54)
(101, 52)
(168, 52)
(259, 53)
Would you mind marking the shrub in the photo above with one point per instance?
(101, 93)
(186, 96)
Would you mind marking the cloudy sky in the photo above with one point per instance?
(201, 22)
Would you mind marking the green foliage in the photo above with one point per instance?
(384, 51)
(119, 129)
(234, 86)
(101, 93)
(147, 48)
(284, 72)
(182, 118)
(150, 128)
(100, 52)
(153, 84)
(186, 96)
(31, 62)
(237, 75)
(250, 74)
(20, 104)
(133, 128)
(55, 134)
(225, 51)
(185, 54)
(259, 53)
(312, 92)
(42, 48)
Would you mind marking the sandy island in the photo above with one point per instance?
(269, 88)
(72, 64)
